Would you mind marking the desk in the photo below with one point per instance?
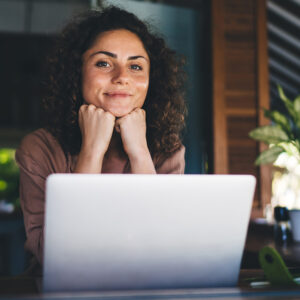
(25, 288)
(213, 293)
(261, 235)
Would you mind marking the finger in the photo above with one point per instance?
(99, 109)
(91, 107)
(109, 114)
(83, 107)
(136, 109)
(139, 111)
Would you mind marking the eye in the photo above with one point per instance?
(102, 64)
(136, 67)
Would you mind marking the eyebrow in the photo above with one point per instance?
(115, 55)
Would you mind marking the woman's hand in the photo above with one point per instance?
(132, 128)
(96, 128)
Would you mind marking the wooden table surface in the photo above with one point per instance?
(218, 293)
(26, 288)
(258, 236)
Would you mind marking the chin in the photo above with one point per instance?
(119, 113)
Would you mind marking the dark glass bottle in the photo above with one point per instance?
(282, 227)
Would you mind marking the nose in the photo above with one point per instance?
(120, 76)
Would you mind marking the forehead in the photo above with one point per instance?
(119, 40)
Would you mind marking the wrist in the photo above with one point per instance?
(141, 163)
(88, 162)
(92, 152)
(139, 155)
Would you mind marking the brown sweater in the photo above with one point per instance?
(40, 155)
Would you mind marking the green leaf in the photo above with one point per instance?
(297, 144)
(297, 110)
(289, 106)
(282, 95)
(269, 134)
(291, 149)
(268, 156)
(297, 104)
(280, 119)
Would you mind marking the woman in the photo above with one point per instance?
(114, 105)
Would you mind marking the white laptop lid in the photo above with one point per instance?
(111, 232)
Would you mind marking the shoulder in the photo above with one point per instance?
(173, 163)
(40, 147)
(38, 142)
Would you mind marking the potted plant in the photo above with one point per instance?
(9, 181)
(283, 138)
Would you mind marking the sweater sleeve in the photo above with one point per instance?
(36, 158)
(174, 164)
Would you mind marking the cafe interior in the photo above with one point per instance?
(243, 72)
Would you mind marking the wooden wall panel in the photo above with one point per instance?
(218, 81)
(240, 88)
(263, 96)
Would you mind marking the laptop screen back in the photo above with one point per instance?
(112, 232)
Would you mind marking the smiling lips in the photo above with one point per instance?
(118, 94)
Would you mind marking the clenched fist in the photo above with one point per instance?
(96, 127)
(132, 128)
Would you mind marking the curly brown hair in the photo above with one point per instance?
(164, 105)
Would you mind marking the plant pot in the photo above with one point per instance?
(295, 223)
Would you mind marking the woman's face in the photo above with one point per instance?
(115, 72)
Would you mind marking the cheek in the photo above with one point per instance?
(142, 87)
(85, 81)
(143, 84)
(92, 81)
(87, 76)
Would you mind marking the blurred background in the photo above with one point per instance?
(236, 52)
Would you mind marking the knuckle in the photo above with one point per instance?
(91, 107)
(82, 107)
(107, 114)
(99, 111)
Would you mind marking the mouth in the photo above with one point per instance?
(118, 94)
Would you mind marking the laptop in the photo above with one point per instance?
(132, 232)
